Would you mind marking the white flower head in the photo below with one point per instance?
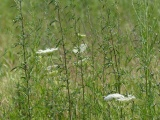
(75, 50)
(80, 49)
(113, 96)
(130, 97)
(46, 51)
(119, 97)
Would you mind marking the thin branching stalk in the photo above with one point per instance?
(23, 38)
(105, 65)
(146, 49)
(93, 54)
(115, 66)
(80, 57)
(83, 88)
(103, 72)
(114, 56)
(65, 62)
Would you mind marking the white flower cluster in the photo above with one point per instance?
(47, 51)
(118, 97)
(80, 49)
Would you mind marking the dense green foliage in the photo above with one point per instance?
(121, 56)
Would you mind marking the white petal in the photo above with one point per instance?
(75, 50)
(113, 96)
(130, 97)
(46, 51)
(80, 49)
(83, 47)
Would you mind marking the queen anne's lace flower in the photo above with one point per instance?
(130, 97)
(80, 49)
(113, 96)
(47, 51)
(118, 97)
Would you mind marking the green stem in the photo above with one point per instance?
(65, 64)
(25, 60)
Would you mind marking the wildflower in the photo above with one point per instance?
(80, 49)
(113, 96)
(47, 51)
(130, 97)
(118, 97)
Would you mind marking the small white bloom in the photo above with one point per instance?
(130, 97)
(75, 50)
(46, 51)
(80, 49)
(119, 97)
(113, 96)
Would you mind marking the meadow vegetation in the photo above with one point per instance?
(59, 58)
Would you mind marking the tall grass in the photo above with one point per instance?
(102, 47)
(146, 52)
